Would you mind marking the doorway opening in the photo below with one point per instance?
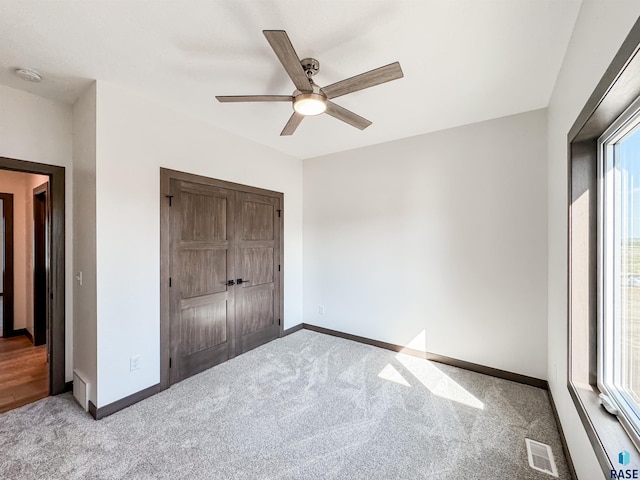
(32, 335)
(6, 263)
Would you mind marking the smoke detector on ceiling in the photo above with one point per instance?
(28, 75)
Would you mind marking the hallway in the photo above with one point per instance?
(24, 373)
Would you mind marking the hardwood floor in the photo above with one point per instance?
(24, 372)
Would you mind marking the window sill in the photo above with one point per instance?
(606, 434)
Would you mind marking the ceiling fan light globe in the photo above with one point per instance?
(310, 104)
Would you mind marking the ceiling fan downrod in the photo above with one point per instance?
(311, 66)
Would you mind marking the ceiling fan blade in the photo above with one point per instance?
(254, 98)
(364, 80)
(347, 116)
(292, 124)
(279, 41)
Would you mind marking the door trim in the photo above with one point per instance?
(8, 283)
(166, 175)
(56, 274)
(37, 329)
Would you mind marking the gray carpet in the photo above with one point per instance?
(307, 406)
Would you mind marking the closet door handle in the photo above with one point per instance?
(230, 283)
(241, 281)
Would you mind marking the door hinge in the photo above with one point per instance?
(170, 197)
(279, 213)
(169, 282)
(278, 321)
(169, 362)
(278, 267)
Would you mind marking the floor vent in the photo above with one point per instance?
(541, 457)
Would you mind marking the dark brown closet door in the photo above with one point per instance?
(221, 291)
(257, 258)
(202, 304)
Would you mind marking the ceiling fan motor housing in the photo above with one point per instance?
(310, 103)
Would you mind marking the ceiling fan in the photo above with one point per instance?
(309, 98)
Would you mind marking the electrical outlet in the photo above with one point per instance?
(135, 363)
(321, 309)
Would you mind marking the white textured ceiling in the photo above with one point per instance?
(463, 61)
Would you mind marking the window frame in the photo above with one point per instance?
(614, 93)
(608, 144)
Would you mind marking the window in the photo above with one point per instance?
(619, 268)
(603, 262)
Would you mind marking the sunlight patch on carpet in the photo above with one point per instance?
(393, 375)
(438, 382)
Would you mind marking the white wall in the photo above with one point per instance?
(135, 137)
(15, 183)
(600, 29)
(85, 349)
(36, 129)
(437, 242)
